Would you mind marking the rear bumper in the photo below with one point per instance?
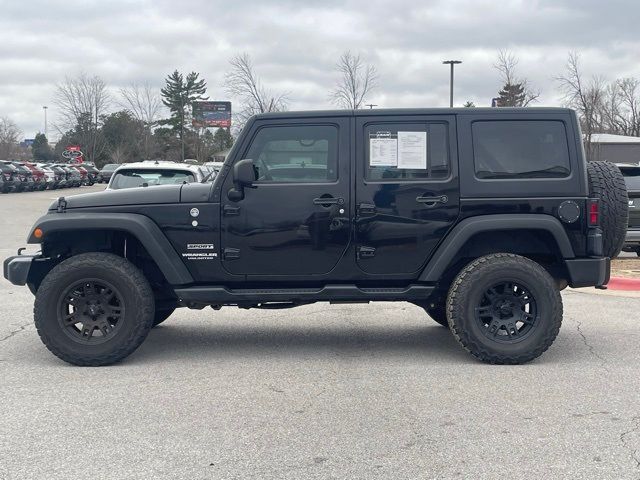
(588, 272)
(16, 268)
(633, 237)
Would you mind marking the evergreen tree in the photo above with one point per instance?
(512, 95)
(41, 150)
(178, 95)
(222, 140)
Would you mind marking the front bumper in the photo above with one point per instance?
(16, 268)
(588, 272)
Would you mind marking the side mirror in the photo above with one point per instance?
(243, 177)
(244, 174)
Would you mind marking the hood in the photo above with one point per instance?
(127, 196)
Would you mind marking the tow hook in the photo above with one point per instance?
(20, 250)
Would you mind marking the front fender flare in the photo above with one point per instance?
(467, 228)
(140, 226)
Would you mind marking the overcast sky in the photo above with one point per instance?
(294, 46)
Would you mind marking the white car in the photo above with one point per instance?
(150, 173)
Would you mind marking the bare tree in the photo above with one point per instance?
(587, 97)
(622, 107)
(242, 82)
(9, 137)
(81, 101)
(517, 91)
(357, 80)
(144, 104)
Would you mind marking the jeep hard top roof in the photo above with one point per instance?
(493, 111)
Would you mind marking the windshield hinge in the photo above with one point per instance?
(62, 205)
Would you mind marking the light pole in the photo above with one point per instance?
(452, 63)
(44, 107)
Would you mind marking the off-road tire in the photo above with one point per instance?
(136, 294)
(607, 184)
(161, 315)
(481, 274)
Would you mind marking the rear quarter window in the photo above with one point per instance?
(512, 149)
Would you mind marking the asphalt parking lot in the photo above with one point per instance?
(362, 392)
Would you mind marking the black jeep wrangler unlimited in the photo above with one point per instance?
(480, 216)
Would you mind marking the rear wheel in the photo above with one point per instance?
(94, 309)
(504, 309)
(607, 184)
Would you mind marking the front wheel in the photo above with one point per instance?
(504, 309)
(94, 309)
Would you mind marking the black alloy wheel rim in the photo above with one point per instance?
(507, 312)
(91, 311)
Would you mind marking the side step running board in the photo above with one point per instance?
(219, 295)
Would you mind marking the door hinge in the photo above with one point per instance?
(366, 252)
(228, 210)
(231, 253)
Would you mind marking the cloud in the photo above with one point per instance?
(294, 46)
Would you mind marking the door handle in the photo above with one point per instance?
(432, 201)
(325, 201)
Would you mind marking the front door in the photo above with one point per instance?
(295, 221)
(407, 190)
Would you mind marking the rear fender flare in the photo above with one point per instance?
(467, 228)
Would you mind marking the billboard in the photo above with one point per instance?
(211, 114)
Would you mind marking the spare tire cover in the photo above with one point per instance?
(607, 184)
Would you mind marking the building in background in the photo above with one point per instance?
(615, 148)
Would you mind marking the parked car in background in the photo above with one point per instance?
(92, 171)
(631, 174)
(106, 172)
(151, 173)
(39, 177)
(50, 176)
(84, 174)
(60, 175)
(76, 176)
(216, 166)
(25, 176)
(10, 180)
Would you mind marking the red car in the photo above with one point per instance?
(39, 177)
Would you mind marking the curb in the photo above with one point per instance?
(621, 283)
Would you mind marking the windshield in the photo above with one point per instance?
(138, 178)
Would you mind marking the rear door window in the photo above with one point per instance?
(398, 152)
(512, 149)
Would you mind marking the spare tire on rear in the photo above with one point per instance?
(607, 184)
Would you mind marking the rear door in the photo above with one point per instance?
(407, 194)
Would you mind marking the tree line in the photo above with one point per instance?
(140, 122)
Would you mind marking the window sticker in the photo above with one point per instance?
(412, 150)
(383, 149)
